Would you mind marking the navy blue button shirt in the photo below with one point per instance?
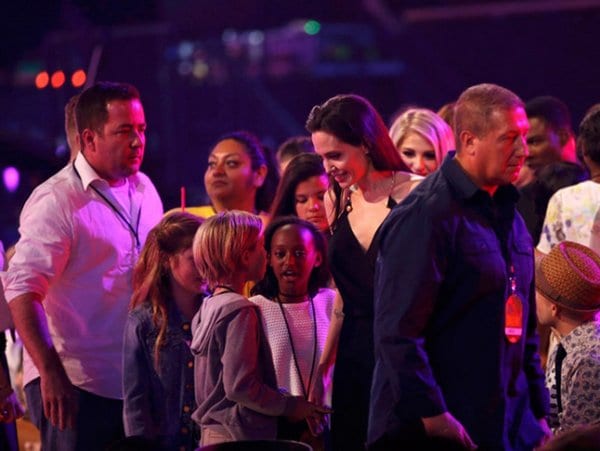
(441, 283)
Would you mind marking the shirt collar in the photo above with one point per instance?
(587, 332)
(88, 174)
(466, 187)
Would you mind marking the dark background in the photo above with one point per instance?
(257, 69)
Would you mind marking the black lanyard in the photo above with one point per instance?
(305, 390)
(118, 212)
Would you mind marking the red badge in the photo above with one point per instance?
(513, 318)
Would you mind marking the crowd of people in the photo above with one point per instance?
(431, 285)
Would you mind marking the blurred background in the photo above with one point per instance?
(207, 67)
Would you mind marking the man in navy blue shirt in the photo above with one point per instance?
(455, 341)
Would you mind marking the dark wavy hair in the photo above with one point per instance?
(353, 120)
(319, 276)
(301, 168)
(259, 155)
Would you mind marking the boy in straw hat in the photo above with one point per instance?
(568, 299)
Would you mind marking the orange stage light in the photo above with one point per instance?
(78, 78)
(58, 79)
(42, 79)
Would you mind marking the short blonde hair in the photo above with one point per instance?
(427, 124)
(220, 243)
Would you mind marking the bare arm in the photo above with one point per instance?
(329, 350)
(58, 396)
(333, 334)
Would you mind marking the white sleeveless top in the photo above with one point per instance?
(300, 320)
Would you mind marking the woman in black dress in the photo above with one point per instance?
(367, 179)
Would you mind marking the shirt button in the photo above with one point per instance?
(182, 448)
(186, 326)
(189, 386)
(186, 409)
(184, 430)
(190, 364)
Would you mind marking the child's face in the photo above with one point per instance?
(184, 275)
(293, 257)
(257, 260)
(309, 200)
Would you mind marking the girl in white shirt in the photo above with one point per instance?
(296, 309)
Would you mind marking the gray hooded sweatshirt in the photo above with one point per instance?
(235, 384)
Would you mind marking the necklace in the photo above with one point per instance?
(224, 289)
(354, 188)
(305, 389)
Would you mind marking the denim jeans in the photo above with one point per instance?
(99, 422)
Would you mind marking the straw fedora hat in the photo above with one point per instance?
(570, 277)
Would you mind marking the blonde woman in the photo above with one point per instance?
(422, 138)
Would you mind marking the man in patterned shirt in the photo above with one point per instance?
(568, 299)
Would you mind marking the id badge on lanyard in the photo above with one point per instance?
(513, 311)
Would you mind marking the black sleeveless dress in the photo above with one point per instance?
(353, 270)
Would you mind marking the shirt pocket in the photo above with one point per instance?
(481, 263)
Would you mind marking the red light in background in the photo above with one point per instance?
(78, 78)
(42, 79)
(58, 79)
